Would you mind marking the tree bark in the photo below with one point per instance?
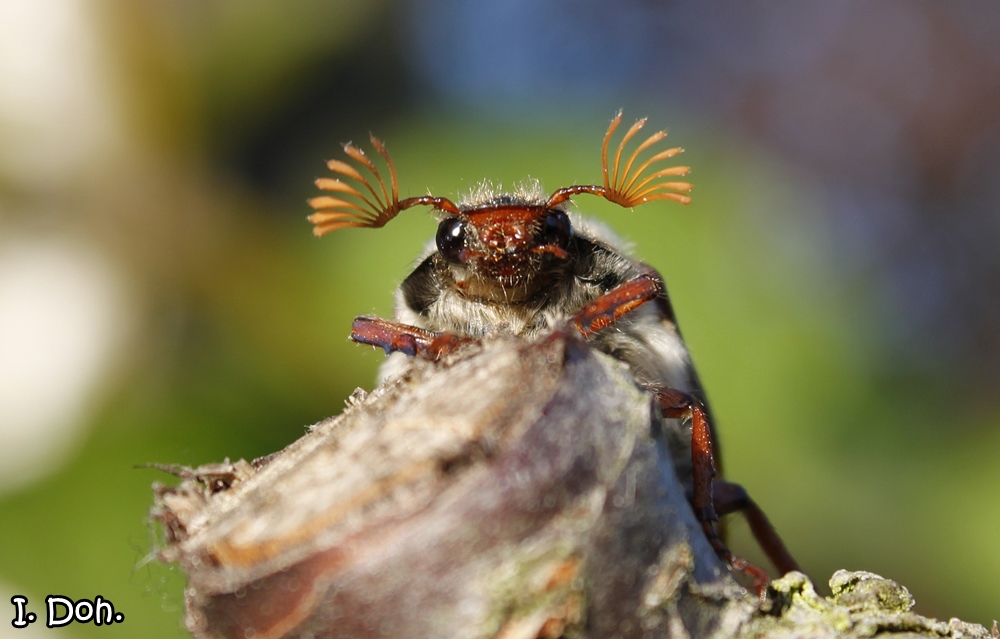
(515, 490)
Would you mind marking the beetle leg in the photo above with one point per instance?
(648, 286)
(617, 302)
(679, 405)
(403, 338)
(729, 498)
(391, 336)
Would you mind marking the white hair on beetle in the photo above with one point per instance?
(485, 193)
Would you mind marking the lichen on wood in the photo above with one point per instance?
(863, 605)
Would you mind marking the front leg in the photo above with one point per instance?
(403, 338)
(617, 302)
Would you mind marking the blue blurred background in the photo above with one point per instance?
(837, 276)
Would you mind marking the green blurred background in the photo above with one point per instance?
(162, 299)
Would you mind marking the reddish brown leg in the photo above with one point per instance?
(679, 405)
(403, 338)
(730, 498)
(617, 302)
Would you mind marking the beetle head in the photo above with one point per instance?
(506, 239)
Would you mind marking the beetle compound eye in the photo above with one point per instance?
(451, 238)
(557, 228)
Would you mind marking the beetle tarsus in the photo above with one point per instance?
(402, 338)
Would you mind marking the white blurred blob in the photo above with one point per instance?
(54, 112)
(62, 313)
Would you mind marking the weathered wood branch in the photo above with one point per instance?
(519, 490)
